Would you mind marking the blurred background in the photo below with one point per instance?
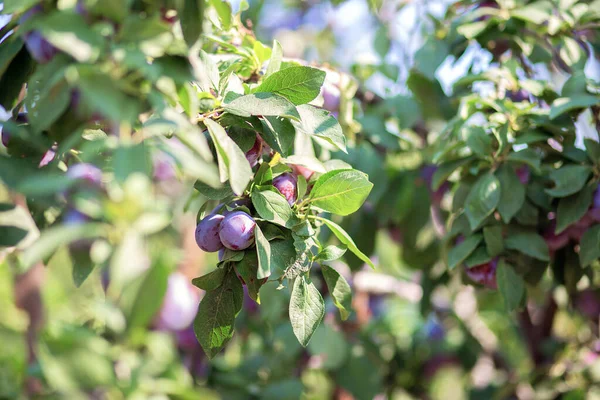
(416, 330)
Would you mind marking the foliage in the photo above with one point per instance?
(477, 203)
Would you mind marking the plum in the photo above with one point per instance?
(207, 233)
(237, 230)
(86, 172)
(39, 48)
(331, 97)
(74, 217)
(302, 170)
(179, 304)
(587, 303)
(484, 274)
(6, 133)
(518, 96)
(286, 184)
(255, 152)
(594, 211)
(523, 174)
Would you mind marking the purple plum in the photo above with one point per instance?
(286, 184)
(518, 95)
(484, 274)
(88, 173)
(523, 173)
(237, 231)
(255, 152)
(39, 48)
(180, 304)
(207, 233)
(301, 170)
(6, 133)
(331, 97)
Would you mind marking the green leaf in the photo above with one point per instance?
(232, 160)
(568, 180)
(331, 253)
(307, 309)
(320, 123)
(70, 33)
(528, 243)
(150, 295)
(341, 192)
(263, 251)
(473, 29)
(12, 80)
(510, 285)
(17, 6)
(247, 269)
(346, 240)
(213, 193)
(527, 156)
(276, 57)
(262, 104)
(340, 290)
(273, 207)
(11, 235)
(300, 85)
(51, 239)
(572, 208)
(214, 323)
(223, 9)
(592, 148)
(512, 193)
(191, 16)
(210, 281)
(482, 199)
(443, 172)
(590, 246)
(479, 141)
(430, 56)
(279, 134)
(458, 254)
(566, 104)
(206, 71)
(536, 12)
(8, 51)
(494, 242)
(105, 95)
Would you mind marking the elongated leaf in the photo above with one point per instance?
(191, 16)
(460, 252)
(590, 246)
(494, 242)
(343, 237)
(11, 235)
(263, 251)
(572, 208)
(210, 281)
(214, 323)
(307, 309)
(300, 85)
(566, 104)
(232, 161)
(341, 192)
(320, 123)
(262, 104)
(512, 193)
(340, 290)
(510, 285)
(150, 295)
(331, 253)
(275, 61)
(482, 199)
(279, 133)
(273, 207)
(568, 180)
(528, 243)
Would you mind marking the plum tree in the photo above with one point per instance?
(207, 233)
(286, 184)
(236, 230)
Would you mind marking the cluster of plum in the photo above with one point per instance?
(234, 227)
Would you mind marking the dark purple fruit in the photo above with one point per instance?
(207, 233)
(237, 231)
